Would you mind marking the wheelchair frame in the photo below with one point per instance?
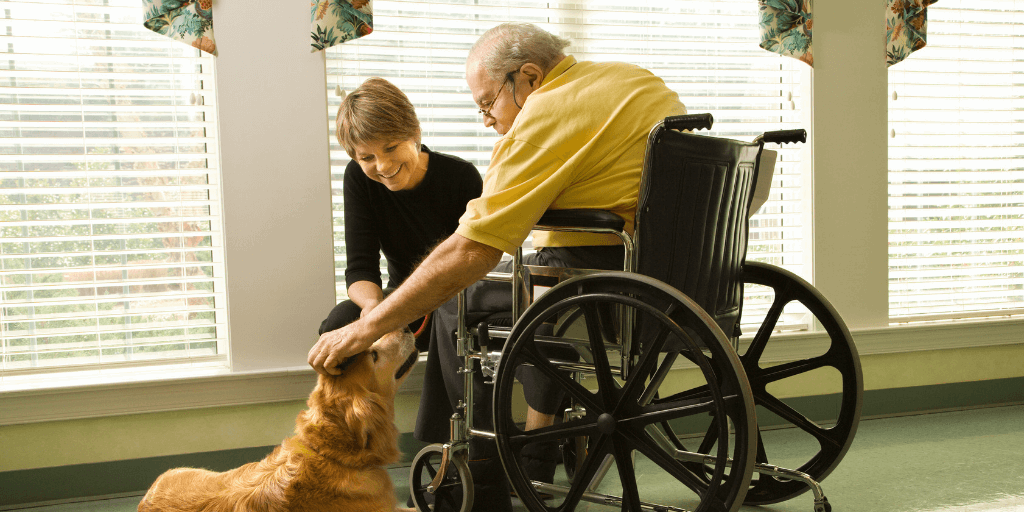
(788, 483)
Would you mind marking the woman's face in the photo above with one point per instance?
(399, 165)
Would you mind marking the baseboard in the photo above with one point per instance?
(135, 476)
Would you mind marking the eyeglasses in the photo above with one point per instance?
(486, 112)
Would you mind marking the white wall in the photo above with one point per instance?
(276, 183)
(851, 160)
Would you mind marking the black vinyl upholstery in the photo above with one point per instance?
(691, 220)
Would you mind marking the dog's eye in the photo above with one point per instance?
(373, 354)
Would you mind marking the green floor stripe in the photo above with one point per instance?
(127, 476)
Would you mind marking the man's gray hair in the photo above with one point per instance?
(508, 46)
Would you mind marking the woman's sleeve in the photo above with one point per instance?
(472, 184)
(362, 242)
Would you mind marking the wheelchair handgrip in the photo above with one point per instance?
(689, 122)
(581, 218)
(784, 136)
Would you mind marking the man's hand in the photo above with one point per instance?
(335, 346)
(453, 265)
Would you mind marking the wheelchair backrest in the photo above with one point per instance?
(691, 219)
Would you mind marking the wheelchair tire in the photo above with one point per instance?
(617, 421)
(456, 491)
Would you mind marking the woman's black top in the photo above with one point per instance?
(404, 225)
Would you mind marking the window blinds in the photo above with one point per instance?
(110, 253)
(956, 166)
(706, 51)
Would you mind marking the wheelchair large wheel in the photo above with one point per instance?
(833, 431)
(456, 490)
(620, 418)
(827, 434)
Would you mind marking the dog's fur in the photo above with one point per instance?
(335, 461)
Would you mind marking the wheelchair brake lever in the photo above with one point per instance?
(487, 365)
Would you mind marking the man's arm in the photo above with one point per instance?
(455, 264)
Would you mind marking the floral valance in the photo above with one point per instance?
(906, 22)
(190, 22)
(786, 28)
(337, 21)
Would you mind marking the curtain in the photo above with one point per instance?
(182, 20)
(337, 21)
(905, 24)
(785, 27)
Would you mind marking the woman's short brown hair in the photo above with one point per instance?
(376, 111)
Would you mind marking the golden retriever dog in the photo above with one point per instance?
(336, 459)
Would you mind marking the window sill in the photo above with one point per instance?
(25, 400)
(165, 391)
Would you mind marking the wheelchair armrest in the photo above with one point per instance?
(588, 219)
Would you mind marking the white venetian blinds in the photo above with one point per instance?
(956, 166)
(706, 51)
(109, 198)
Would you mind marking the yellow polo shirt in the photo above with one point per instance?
(578, 142)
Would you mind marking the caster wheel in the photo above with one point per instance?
(455, 491)
(825, 506)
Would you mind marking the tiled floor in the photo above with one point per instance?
(968, 461)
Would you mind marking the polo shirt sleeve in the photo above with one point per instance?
(521, 182)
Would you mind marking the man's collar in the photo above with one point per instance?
(560, 68)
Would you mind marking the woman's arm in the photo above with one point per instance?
(366, 295)
(362, 231)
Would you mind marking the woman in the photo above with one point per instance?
(400, 197)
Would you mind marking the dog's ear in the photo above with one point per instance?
(365, 416)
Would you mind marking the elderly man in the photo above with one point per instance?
(574, 135)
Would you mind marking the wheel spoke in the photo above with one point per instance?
(574, 428)
(799, 420)
(710, 438)
(595, 456)
(787, 370)
(670, 411)
(696, 394)
(627, 476)
(645, 445)
(764, 332)
(605, 382)
(430, 469)
(448, 499)
(634, 385)
(585, 397)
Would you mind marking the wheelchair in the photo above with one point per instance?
(655, 378)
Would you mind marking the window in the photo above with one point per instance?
(110, 225)
(706, 51)
(956, 166)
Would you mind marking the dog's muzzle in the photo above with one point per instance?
(407, 365)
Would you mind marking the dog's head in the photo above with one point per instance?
(354, 411)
